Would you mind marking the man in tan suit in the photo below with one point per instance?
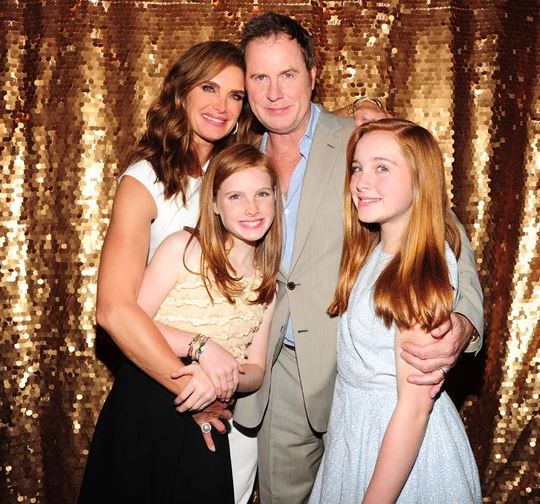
(307, 146)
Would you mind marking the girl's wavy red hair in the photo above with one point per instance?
(414, 288)
(215, 267)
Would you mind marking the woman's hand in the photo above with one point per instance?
(221, 368)
(363, 111)
(198, 393)
(213, 414)
(368, 111)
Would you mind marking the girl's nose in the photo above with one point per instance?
(252, 208)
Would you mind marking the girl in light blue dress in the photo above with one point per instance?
(388, 439)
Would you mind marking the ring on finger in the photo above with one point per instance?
(206, 427)
(443, 372)
(229, 380)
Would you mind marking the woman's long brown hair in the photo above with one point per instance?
(414, 288)
(215, 266)
(167, 142)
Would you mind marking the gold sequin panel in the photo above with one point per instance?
(76, 78)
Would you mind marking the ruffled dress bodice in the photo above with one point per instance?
(189, 308)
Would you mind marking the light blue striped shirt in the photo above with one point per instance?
(291, 203)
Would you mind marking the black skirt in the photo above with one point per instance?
(143, 451)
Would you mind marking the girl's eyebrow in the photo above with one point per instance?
(376, 158)
(380, 158)
(267, 188)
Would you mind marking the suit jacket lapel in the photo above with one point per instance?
(320, 167)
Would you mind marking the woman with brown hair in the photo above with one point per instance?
(398, 280)
(200, 109)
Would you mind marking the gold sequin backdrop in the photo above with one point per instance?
(76, 78)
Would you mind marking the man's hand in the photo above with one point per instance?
(198, 393)
(435, 359)
(221, 368)
(213, 415)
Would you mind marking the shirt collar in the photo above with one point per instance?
(305, 141)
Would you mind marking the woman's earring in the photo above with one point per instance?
(235, 130)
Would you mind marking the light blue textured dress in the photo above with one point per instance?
(364, 399)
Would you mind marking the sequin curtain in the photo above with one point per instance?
(75, 80)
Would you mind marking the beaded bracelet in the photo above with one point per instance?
(196, 347)
(200, 350)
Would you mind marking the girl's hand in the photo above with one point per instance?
(198, 393)
(221, 368)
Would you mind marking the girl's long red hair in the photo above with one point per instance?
(215, 267)
(414, 288)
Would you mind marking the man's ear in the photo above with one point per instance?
(313, 73)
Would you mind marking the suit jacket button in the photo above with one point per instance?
(291, 285)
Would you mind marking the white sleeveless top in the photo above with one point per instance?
(172, 214)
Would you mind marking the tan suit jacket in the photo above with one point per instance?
(305, 291)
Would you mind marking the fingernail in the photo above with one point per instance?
(212, 449)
